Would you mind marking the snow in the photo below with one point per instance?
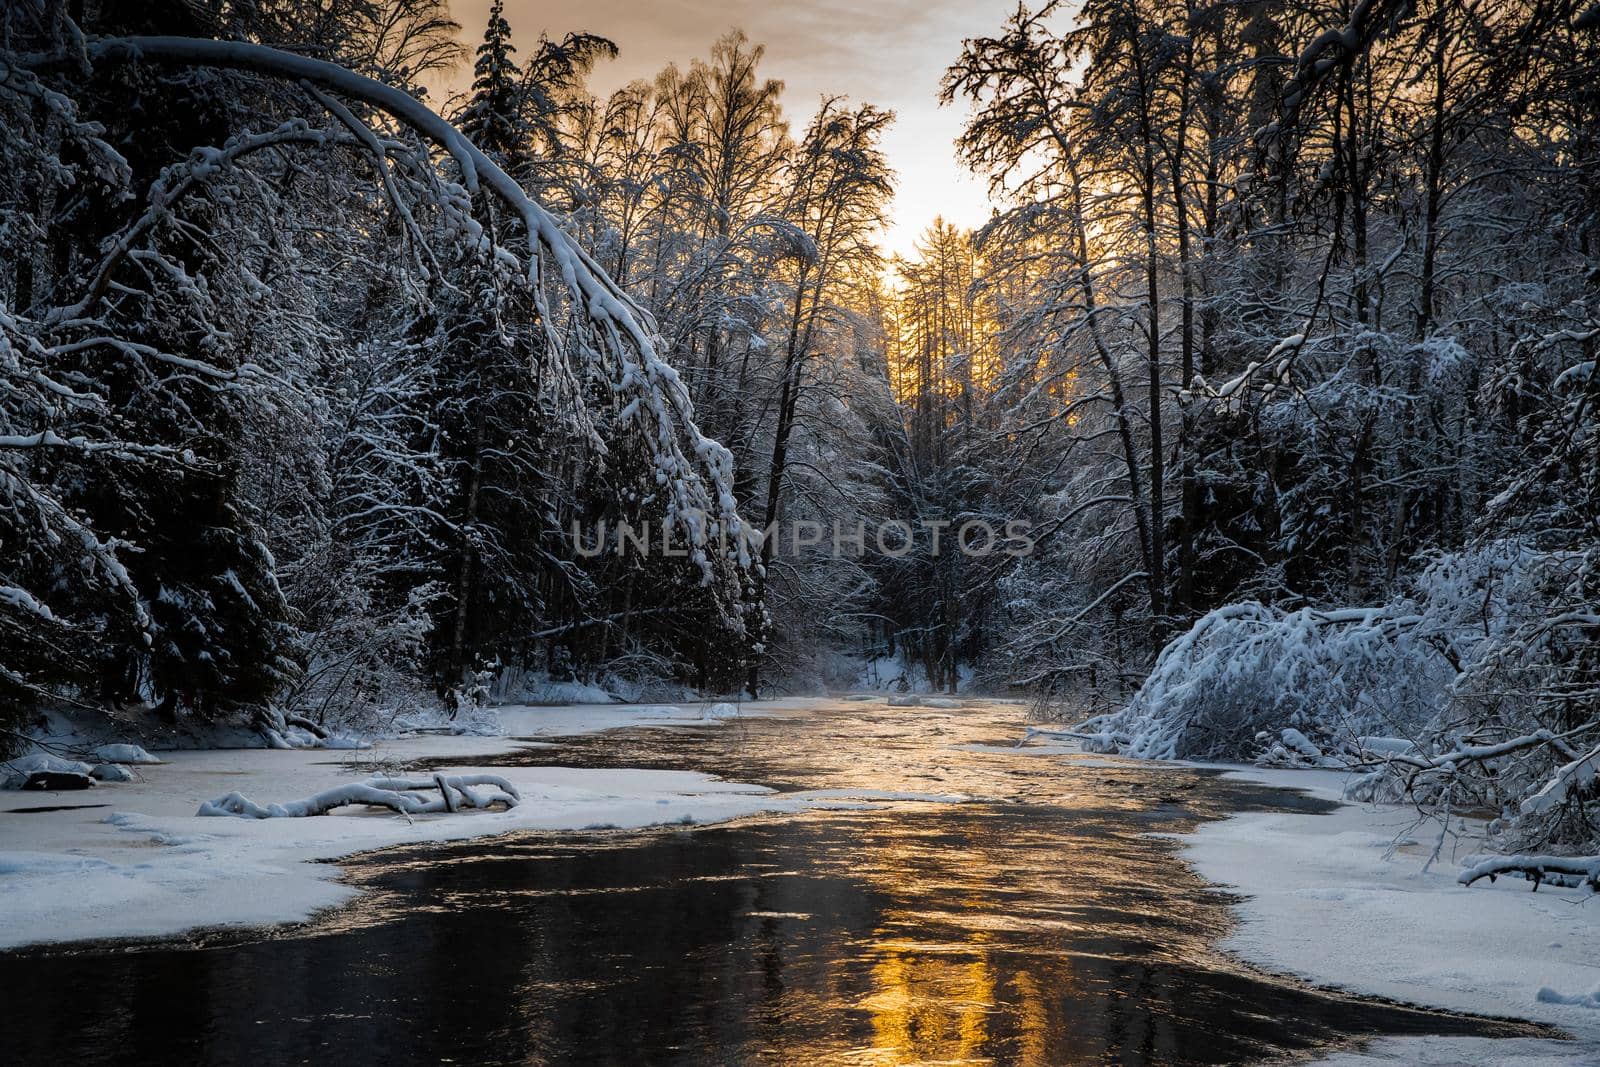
(1300, 743)
(538, 688)
(16, 771)
(1400, 690)
(1331, 899)
(1248, 668)
(896, 674)
(660, 711)
(148, 866)
(1590, 999)
(124, 754)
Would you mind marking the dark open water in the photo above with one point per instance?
(1039, 925)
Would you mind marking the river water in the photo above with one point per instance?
(1046, 921)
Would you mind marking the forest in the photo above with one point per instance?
(1280, 340)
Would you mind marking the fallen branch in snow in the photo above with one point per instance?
(318, 804)
(1566, 871)
(397, 794)
(460, 784)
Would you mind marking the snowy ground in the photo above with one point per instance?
(1330, 900)
(140, 863)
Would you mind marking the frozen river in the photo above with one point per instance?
(1045, 921)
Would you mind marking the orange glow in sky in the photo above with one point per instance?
(891, 53)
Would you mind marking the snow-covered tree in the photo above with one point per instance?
(227, 334)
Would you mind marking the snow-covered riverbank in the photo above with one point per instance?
(1330, 899)
(1343, 900)
(132, 859)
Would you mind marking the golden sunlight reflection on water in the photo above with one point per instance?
(1046, 922)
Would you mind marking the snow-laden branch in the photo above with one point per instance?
(78, 443)
(1570, 871)
(380, 162)
(1473, 753)
(1332, 48)
(1101, 599)
(22, 600)
(1575, 776)
(165, 192)
(647, 381)
(1276, 364)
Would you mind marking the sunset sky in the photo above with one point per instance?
(886, 52)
